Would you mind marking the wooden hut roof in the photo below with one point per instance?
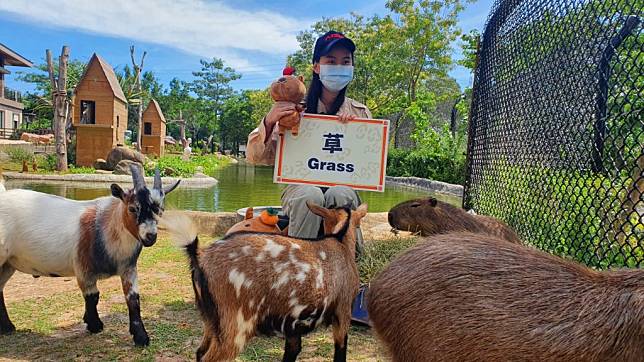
(155, 104)
(13, 58)
(109, 74)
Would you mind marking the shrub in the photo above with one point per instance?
(19, 154)
(210, 164)
(426, 163)
(437, 156)
(47, 162)
(74, 169)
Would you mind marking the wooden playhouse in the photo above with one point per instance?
(153, 137)
(99, 112)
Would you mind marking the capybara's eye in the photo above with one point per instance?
(415, 204)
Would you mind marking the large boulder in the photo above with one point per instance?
(101, 164)
(123, 167)
(118, 154)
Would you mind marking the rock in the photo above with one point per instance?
(104, 172)
(123, 167)
(200, 175)
(100, 164)
(169, 171)
(199, 169)
(118, 154)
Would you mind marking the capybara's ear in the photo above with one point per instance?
(433, 201)
(301, 78)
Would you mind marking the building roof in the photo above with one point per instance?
(155, 104)
(13, 58)
(109, 74)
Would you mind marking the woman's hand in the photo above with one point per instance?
(345, 118)
(279, 110)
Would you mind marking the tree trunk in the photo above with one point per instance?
(59, 95)
(138, 68)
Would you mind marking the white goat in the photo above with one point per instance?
(45, 235)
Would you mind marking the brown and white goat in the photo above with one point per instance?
(262, 283)
(46, 235)
(472, 297)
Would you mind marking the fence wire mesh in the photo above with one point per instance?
(556, 138)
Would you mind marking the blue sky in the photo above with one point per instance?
(252, 36)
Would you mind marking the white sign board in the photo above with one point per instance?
(327, 152)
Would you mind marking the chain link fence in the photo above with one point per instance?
(556, 138)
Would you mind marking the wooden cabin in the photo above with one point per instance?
(153, 137)
(99, 112)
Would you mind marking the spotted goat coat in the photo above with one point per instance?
(259, 283)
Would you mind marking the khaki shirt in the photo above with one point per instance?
(258, 152)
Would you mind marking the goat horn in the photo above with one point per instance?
(171, 187)
(157, 179)
(137, 178)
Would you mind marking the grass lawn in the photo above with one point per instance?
(48, 315)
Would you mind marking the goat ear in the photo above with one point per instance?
(117, 191)
(361, 211)
(318, 210)
(169, 189)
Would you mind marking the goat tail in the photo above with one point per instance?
(184, 232)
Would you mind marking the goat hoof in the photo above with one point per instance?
(141, 340)
(95, 326)
(7, 329)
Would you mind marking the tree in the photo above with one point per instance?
(40, 102)
(61, 105)
(397, 56)
(212, 88)
(138, 68)
(236, 121)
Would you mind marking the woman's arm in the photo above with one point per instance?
(260, 148)
(262, 141)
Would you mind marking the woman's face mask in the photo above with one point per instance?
(335, 77)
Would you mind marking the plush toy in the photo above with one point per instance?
(24, 166)
(34, 166)
(266, 222)
(289, 88)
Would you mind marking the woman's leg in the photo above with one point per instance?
(302, 222)
(338, 196)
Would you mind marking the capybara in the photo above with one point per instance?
(429, 216)
(474, 297)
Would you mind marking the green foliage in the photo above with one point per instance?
(468, 46)
(377, 254)
(40, 101)
(19, 154)
(77, 169)
(439, 156)
(401, 61)
(47, 162)
(181, 168)
(572, 214)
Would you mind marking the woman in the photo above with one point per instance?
(332, 72)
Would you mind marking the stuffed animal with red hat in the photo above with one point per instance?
(289, 88)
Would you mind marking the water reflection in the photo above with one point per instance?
(239, 186)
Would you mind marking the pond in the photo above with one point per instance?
(239, 186)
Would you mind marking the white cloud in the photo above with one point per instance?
(208, 29)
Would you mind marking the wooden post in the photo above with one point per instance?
(137, 73)
(59, 98)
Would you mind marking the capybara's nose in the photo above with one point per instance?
(281, 80)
